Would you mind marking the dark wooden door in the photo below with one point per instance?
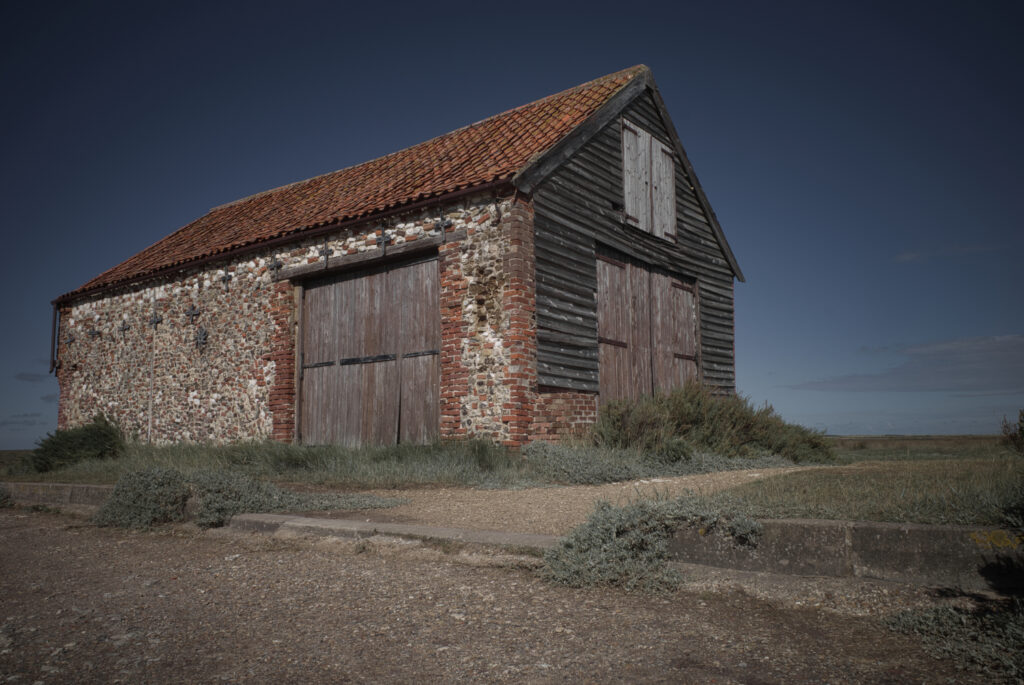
(647, 330)
(370, 357)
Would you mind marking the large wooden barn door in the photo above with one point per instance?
(646, 328)
(370, 357)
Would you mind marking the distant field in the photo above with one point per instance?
(913, 441)
(854, 448)
(959, 490)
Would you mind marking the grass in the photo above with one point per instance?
(850, 449)
(468, 463)
(687, 431)
(465, 463)
(941, 491)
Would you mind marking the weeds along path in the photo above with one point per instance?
(549, 510)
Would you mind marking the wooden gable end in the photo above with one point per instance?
(585, 206)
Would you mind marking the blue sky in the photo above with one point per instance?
(863, 158)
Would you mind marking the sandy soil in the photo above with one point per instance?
(548, 511)
(85, 604)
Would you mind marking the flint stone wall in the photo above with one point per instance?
(164, 383)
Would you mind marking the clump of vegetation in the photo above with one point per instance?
(593, 465)
(149, 497)
(675, 426)
(583, 465)
(1013, 434)
(5, 497)
(99, 439)
(988, 639)
(1013, 507)
(222, 494)
(463, 462)
(143, 499)
(628, 546)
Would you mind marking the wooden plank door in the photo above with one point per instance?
(370, 357)
(417, 288)
(613, 330)
(673, 332)
(647, 330)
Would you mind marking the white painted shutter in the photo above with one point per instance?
(663, 191)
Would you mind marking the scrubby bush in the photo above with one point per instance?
(692, 419)
(223, 494)
(99, 439)
(1013, 434)
(628, 546)
(5, 497)
(988, 639)
(619, 546)
(582, 465)
(142, 499)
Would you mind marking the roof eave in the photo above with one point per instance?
(312, 231)
(541, 166)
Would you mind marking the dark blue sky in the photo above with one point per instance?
(864, 159)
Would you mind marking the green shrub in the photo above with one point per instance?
(619, 546)
(100, 439)
(673, 427)
(223, 494)
(5, 497)
(1013, 434)
(988, 640)
(628, 546)
(142, 499)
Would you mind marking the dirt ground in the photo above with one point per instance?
(544, 511)
(86, 604)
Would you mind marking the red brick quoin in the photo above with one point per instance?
(519, 303)
(282, 352)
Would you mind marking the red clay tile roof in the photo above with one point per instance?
(490, 150)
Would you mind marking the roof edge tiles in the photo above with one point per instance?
(482, 154)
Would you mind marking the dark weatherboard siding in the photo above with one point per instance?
(580, 207)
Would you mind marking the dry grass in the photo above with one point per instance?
(852, 448)
(956, 491)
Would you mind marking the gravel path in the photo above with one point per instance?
(83, 604)
(545, 511)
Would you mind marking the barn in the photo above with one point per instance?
(501, 281)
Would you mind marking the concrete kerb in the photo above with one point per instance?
(56, 494)
(283, 525)
(968, 557)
